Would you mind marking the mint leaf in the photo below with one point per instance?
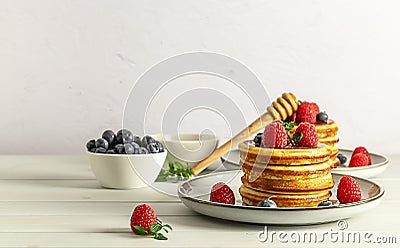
(140, 230)
(160, 236)
(288, 125)
(167, 226)
(297, 137)
(155, 227)
(179, 166)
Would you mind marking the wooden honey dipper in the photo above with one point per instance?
(283, 107)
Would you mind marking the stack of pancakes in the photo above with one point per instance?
(327, 134)
(292, 177)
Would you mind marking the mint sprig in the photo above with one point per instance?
(155, 229)
(178, 169)
(297, 137)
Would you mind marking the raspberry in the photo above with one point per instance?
(307, 112)
(358, 159)
(143, 216)
(348, 190)
(309, 133)
(275, 135)
(364, 151)
(221, 192)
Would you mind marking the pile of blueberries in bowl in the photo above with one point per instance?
(124, 142)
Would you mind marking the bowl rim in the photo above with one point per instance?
(208, 137)
(125, 155)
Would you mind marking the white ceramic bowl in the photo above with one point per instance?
(120, 171)
(188, 148)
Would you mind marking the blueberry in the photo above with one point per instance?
(267, 204)
(143, 150)
(119, 148)
(109, 135)
(100, 150)
(91, 144)
(147, 140)
(258, 139)
(153, 147)
(137, 140)
(160, 146)
(93, 149)
(136, 147)
(342, 158)
(322, 117)
(325, 204)
(100, 142)
(124, 136)
(111, 151)
(129, 149)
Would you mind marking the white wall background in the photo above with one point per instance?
(67, 66)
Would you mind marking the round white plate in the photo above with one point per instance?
(379, 164)
(195, 192)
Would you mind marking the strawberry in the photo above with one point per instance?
(275, 135)
(306, 135)
(358, 159)
(220, 192)
(348, 190)
(143, 216)
(145, 222)
(307, 112)
(364, 151)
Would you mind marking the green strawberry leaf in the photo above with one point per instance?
(155, 227)
(160, 236)
(297, 137)
(141, 230)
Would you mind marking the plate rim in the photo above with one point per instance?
(337, 169)
(256, 208)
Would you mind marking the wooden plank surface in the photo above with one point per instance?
(55, 201)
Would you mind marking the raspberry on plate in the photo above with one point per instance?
(275, 135)
(143, 216)
(348, 190)
(221, 193)
(306, 135)
(359, 159)
(307, 112)
(364, 151)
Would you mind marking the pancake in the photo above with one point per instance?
(295, 177)
(326, 129)
(311, 199)
(288, 156)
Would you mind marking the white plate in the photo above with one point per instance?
(379, 164)
(194, 193)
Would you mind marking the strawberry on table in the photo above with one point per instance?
(145, 222)
(220, 192)
(348, 190)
